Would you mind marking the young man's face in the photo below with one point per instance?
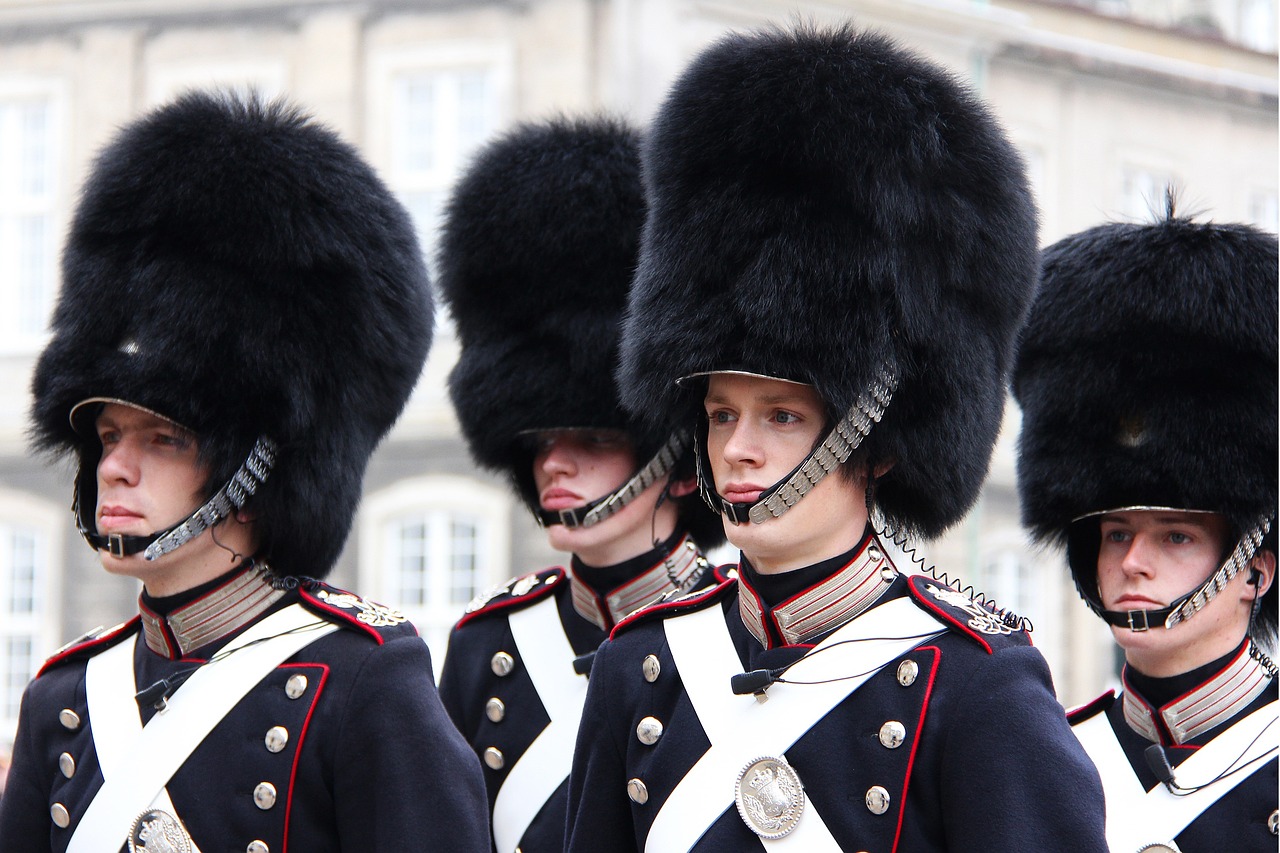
(758, 430)
(572, 467)
(149, 478)
(1147, 559)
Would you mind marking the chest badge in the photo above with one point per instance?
(770, 797)
(156, 831)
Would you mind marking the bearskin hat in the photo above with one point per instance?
(537, 253)
(1147, 375)
(823, 201)
(238, 269)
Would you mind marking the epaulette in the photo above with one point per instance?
(1080, 713)
(89, 644)
(349, 610)
(680, 604)
(726, 572)
(963, 615)
(514, 594)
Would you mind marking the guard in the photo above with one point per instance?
(539, 246)
(244, 313)
(1147, 379)
(840, 248)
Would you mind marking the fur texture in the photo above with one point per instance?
(820, 201)
(239, 269)
(537, 253)
(1147, 374)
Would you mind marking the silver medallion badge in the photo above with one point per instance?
(370, 613)
(770, 797)
(980, 618)
(156, 831)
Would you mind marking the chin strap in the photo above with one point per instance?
(601, 508)
(1193, 602)
(231, 497)
(843, 439)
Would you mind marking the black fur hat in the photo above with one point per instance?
(1147, 374)
(1147, 377)
(822, 200)
(537, 253)
(240, 270)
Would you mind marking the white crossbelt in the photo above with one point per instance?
(740, 729)
(136, 761)
(1137, 817)
(548, 657)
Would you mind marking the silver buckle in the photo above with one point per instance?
(115, 544)
(1145, 626)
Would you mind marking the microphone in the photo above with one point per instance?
(756, 681)
(1159, 764)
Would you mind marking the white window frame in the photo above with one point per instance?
(386, 71)
(27, 513)
(29, 336)
(384, 510)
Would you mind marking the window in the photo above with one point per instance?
(430, 545)
(29, 159)
(1264, 211)
(27, 617)
(1142, 192)
(429, 111)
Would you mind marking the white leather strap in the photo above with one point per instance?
(1137, 817)
(740, 729)
(113, 711)
(137, 768)
(546, 654)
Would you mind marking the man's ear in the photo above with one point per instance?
(680, 488)
(1262, 573)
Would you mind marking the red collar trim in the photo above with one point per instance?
(680, 569)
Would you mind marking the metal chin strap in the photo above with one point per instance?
(601, 508)
(1193, 602)
(843, 439)
(232, 496)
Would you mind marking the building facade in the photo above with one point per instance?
(1109, 101)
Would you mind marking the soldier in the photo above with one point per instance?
(1147, 379)
(539, 246)
(840, 247)
(243, 315)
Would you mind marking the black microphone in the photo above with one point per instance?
(1159, 764)
(756, 681)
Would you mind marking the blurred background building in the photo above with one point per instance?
(1109, 100)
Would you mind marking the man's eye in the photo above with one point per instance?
(1179, 538)
(719, 417)
(786, 418)
(1114, 536)
(108, 437)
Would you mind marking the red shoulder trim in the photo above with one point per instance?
(687, 603)
(514, 594)
(959, 613)
(90, 644)
(727, 572)
(1080, 713)
(351, 611)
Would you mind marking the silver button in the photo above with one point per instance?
(652, 668)
(295, 686)
(649, 731)
(888, 572)
(495, 710)
(67, 764)
(877, 800)
(873, 553)
(502, 664)
(907, 672)
(61, 817)
(1158, 848)
(892, 734)
(264, 796)
(257, 847)
(1273, 822)
(69, 719)
(277, 738)
(494, 758)
(637, 791)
